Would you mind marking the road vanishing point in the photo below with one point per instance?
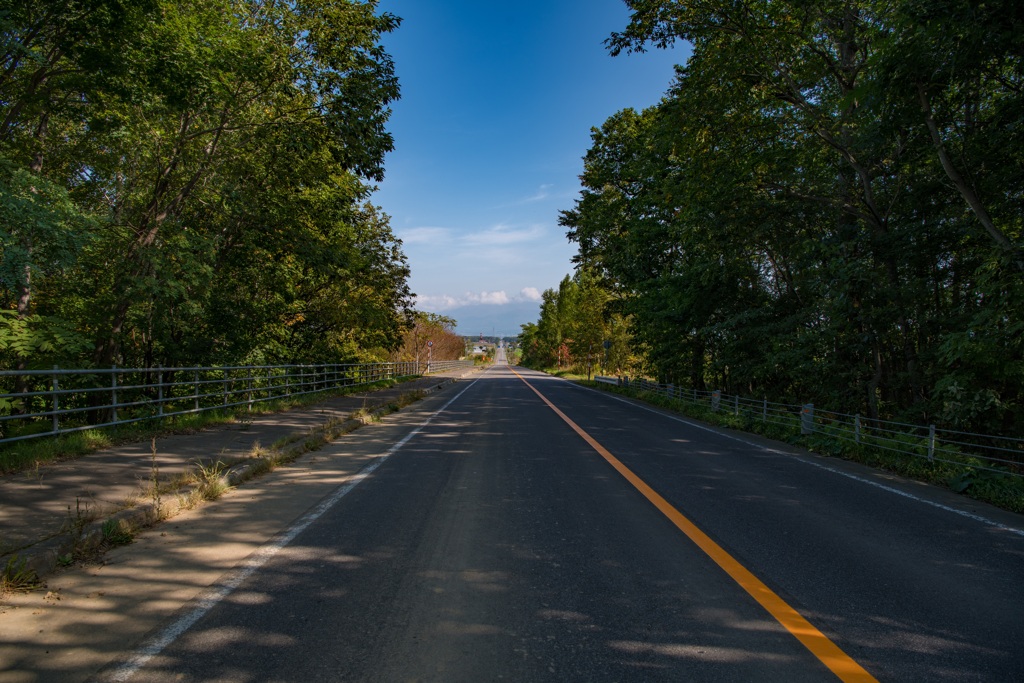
(518, 527)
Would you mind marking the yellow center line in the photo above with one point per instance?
(840, 663)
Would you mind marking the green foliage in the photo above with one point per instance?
(575, 322)
(823, 208)
(41, 229)
(906, 457)
(17, 576)
(210, 484)
(185, 182)
(117, 532)
(42, 339)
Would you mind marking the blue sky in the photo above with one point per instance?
(498, 99)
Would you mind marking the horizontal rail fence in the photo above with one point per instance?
(58, 401)
(444, 365)
(985, 452)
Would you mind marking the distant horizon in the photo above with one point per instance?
(493, 320)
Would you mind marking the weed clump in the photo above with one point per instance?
(118, 532)
(17, 577)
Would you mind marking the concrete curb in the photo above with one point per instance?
(44, 557)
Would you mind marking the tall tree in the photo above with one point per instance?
(787, 221)
(206, 177)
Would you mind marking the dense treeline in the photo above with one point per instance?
(578, 329)
(187, 181)
(826, 206)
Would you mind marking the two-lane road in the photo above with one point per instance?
(496, 543)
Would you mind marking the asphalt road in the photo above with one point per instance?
(496, 544)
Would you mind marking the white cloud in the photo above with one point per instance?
(446, 302)
(530, 294)
(498, 298)
(436, 303)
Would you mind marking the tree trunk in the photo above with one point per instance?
(25, 286)
(965, 189)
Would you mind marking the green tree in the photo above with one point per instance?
(204, 196)
(785, 221)
(574, 323)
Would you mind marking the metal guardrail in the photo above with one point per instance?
(445, 365)
(1000, 454)
(44, 403)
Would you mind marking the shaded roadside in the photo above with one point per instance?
(47, 511)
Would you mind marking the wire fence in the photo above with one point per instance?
(985, 452)
(42, 403)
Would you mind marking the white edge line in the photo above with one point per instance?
(890, 489)
(209, 598)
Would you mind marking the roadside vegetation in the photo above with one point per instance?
(824, 208)
(961, 473)
(92, 532)
(29, 455)
(186, 183)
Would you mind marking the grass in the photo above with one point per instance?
(117, 532)
(210, 482)
(962, 474)
(17, 577)
(568, 374)
(27, 456)
(288, 448)
(204, 482)
(82, 515)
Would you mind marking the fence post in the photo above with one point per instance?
(225, 387)
(56, 400)
(160, 392)
(856, 428)
(716, 399)
(736, 404)
(807, 419)
(931, 443)
(195, 388)
(764, 410)
(113, 393)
